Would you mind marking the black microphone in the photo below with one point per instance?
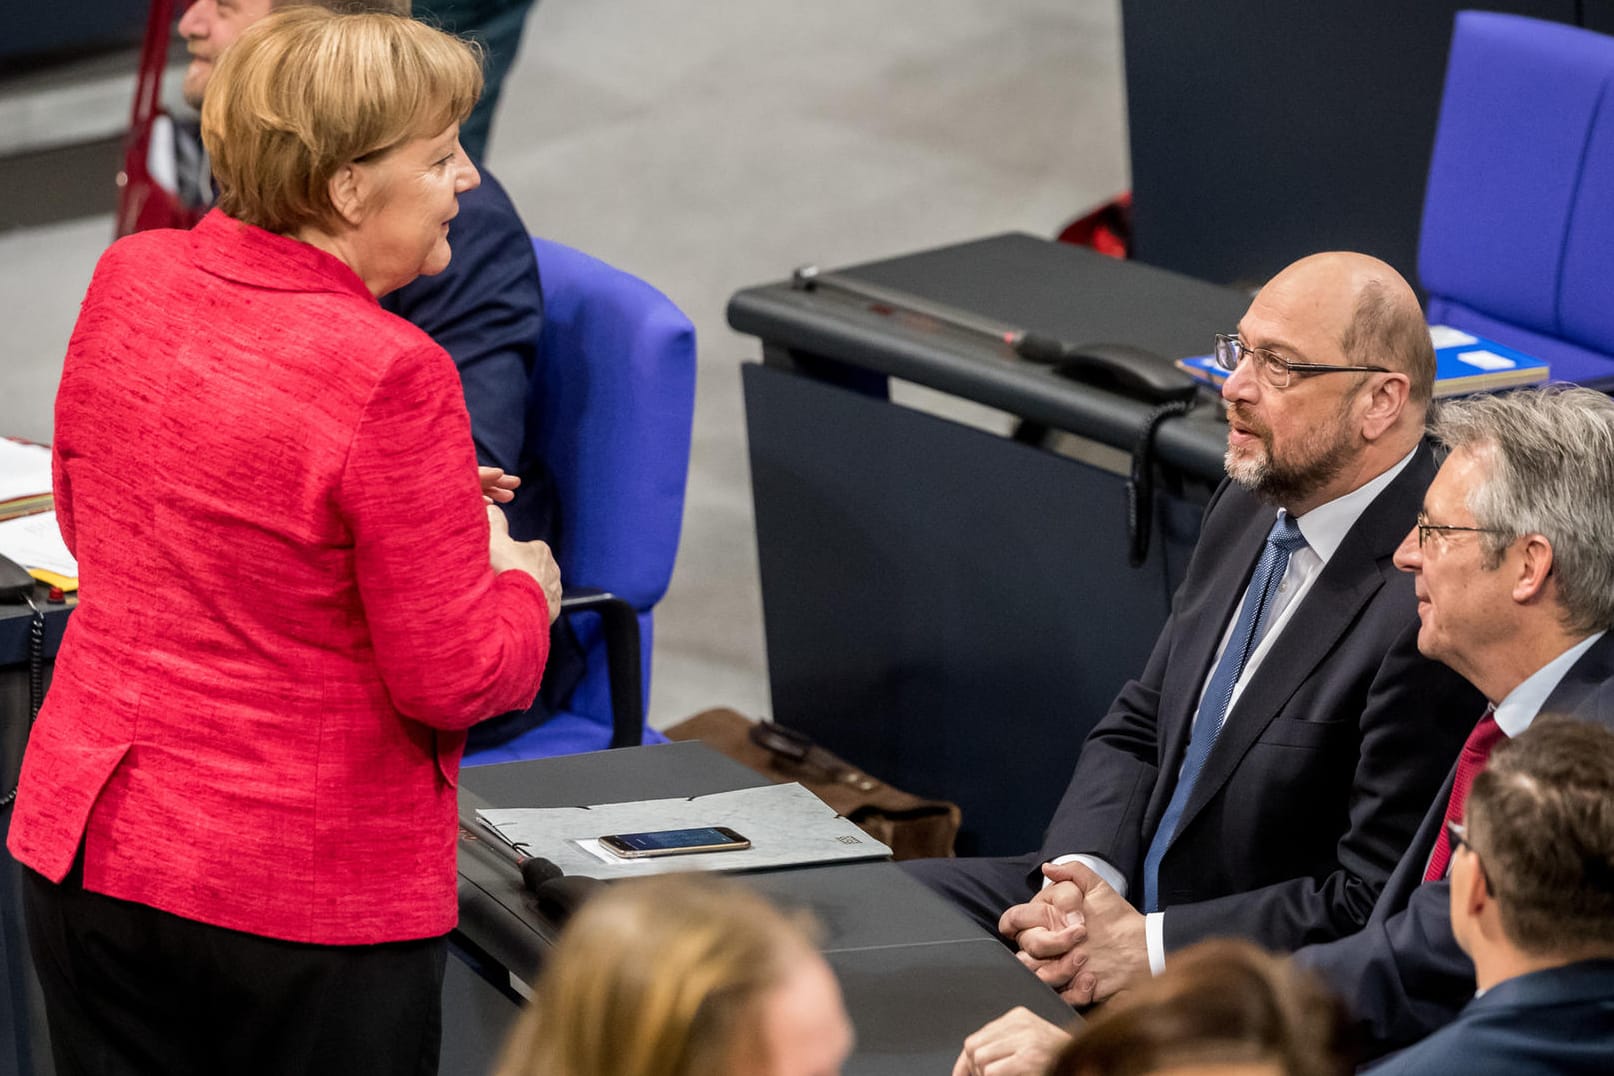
(535, 872)
(558, 895)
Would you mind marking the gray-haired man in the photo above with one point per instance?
(1513, 557)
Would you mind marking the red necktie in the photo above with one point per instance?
(1486, 735)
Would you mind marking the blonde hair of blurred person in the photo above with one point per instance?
(682, 975)
(1221, 1008)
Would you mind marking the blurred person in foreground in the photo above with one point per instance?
(1221, 1008)
(238, 804)
(1532, 904)
(734, 987)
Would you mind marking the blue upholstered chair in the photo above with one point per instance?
(1517, 241)
(610, 415)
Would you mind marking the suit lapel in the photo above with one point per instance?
(1355, 572)
(1414, 862)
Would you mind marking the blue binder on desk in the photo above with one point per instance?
(1464, 363)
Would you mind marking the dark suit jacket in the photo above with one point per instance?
(1403, 973)
(1324, 765)
(1558, 1022)
(486, 310)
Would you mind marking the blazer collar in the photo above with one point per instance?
(1586, 980)
(246, 254)
(1357, 570)
(1592, 671)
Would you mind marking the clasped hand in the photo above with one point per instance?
(1078, 935)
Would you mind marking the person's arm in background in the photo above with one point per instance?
(454, 640)
(486, 310)
(1405, 977)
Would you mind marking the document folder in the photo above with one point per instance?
(787, 825)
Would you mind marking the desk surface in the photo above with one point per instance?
(917, 976)
(14, 628)
(1057, 289)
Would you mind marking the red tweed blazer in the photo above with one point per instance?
(288, 617)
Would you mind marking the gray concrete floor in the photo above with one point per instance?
(705, 147)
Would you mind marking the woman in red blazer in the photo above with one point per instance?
(239, 799)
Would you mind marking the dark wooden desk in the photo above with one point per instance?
(917, 976)
(951, 609)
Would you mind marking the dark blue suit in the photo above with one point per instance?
(1319, 775)
(486, 310)
(1404, 973)
(1558, 1021)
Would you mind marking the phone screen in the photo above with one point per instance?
(671, 842)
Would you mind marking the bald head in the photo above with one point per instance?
(1369, 307)
(1349, 331)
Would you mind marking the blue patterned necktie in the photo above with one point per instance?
(1282, 540)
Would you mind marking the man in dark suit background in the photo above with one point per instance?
(1532, 903)
(1263, 774)
(1514, 562)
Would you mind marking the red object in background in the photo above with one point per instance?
(1107, 229)
(143, 202)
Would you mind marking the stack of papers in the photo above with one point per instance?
(786, 824)
(24, 479)
(35, 542)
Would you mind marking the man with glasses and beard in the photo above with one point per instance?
(1264, 772)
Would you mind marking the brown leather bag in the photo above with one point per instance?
(914, 827)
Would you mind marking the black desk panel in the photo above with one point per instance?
(917, 976)
(1263, 132)
(1056, 289)
(914, 1006)
(947, 608)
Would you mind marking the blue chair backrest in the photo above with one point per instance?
(1517, 241)
(610, 415)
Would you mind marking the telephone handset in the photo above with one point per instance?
(16, 585)
(1138, 375)
(1127, 371)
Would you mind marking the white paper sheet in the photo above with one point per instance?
(24, 470)
(36, 542)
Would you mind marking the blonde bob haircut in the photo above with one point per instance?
(305, 91)
(660, 976)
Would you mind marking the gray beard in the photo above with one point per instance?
(1284, 482)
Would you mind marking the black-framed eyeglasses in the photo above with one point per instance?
(1457, 837)
(1273, 369)
(1424, 527)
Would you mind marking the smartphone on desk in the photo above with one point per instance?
(673, 842)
